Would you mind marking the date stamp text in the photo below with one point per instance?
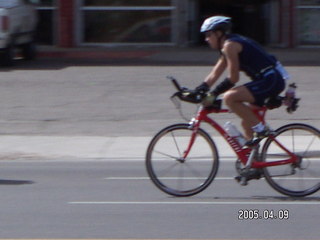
(266, 214)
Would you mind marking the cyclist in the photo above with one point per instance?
(239, 53)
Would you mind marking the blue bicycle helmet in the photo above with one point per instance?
(216, 23)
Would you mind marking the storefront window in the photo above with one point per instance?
(127, 21)
(127, 2)
(127, 26)
(309, 30)
(309, 16)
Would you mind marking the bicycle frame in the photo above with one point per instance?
(242, 153)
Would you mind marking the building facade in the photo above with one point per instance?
(72, 23)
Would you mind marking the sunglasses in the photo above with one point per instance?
(208, 34)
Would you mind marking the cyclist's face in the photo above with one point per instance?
(212, 39)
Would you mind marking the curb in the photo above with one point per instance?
(95, 54)
(170, 55)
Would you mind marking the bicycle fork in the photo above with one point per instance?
(194, 126)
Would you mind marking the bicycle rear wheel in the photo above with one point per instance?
(173, 174)
(299, 179)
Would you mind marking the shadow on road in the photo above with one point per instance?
(15, 182)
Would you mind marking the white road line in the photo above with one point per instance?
(197, 178)
(164, 178)
(197, 203)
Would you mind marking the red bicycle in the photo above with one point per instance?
(182, 159)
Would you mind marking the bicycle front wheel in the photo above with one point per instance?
(301, 178)
(174, 174)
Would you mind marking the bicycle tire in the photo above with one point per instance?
(295, 180)
(174, 176)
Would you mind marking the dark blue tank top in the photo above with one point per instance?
(253, 58)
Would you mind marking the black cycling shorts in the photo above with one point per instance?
(270, 84)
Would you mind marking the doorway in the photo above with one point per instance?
(249, 17)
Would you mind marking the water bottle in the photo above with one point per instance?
(290, 97)
(234, 133)
(290, 94)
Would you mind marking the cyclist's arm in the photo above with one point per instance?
(216, 72)
(231, 51)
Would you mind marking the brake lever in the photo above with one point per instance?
(175, 83)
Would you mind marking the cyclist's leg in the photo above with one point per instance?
(235, 99)
(270, 84)
(248, 129)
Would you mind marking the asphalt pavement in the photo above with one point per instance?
(97, 199)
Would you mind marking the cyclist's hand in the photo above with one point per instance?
(192, 96)
(202, 89)
(208, 100)
(196, 95)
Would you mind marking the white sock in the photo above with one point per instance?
(259, 127)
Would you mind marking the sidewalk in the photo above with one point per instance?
(201, 55)
(79, 148)
(82, 148)
(72, 147)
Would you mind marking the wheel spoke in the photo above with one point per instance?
(308, 147)
(176, 144)
(166, 155)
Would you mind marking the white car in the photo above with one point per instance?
(18, 22)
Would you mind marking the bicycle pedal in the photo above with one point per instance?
(242, 180)
(237, 178)
(244, 177)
